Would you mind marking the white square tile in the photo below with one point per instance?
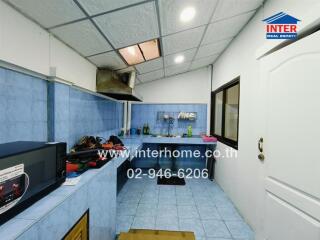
(230, 8)
(170, 11)
(110, 60)
(188, 56)
(212, 48)
(150, 66)
(182, 41)
(131, 25)
(49, 13)
(172, 70)
(226, 28)
(202, 62)
(151, 76)
(83, 37)
(99, 6)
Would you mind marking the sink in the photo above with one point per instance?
(165, 135)
(173, 136)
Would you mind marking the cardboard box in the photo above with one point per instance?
(141, 234)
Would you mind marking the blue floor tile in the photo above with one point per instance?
(144, 223)
(240, 230)
(146, 210)
(193, 225)
(188, 211)
(216, 228)
(124, 223)
(229, 213)
(208, 212)
(127, 209)
(199, 206)
(167, 211)
(165, 223)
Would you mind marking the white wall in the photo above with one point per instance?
(241, 177)
(190, 87)
(26, 45)
(69, 65)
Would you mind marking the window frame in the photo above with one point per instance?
(223, 89)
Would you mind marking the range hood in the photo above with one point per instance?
(117, 86)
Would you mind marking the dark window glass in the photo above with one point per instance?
(225, 113)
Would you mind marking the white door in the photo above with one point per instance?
(290, 80)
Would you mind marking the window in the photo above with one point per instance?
(225, 113)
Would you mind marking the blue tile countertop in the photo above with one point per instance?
(53, 216)
(166, 140)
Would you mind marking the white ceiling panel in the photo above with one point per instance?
(172, 70)
(49, 13)
(109, 60)
(182, 41)
(170, 11)
(226, 28)
(83, 37)
(131, 25)
(151, 76)
(188, 56)
(212, 48)
(125, 70)
(230, 8)
(202, 62)
(150, 66)
(99, 6)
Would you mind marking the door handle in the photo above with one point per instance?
(260, 147)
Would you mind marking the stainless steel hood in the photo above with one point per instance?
(117, 86)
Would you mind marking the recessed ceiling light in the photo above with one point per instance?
(179, 59)
(150, 49)
(132, 55)
(187, 14)
(141, 52)
(131, 50)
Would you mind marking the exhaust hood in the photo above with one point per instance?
(117, 86)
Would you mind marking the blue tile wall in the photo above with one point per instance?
(23, 107)
(147, 113)
(77, 113)
(31, 109)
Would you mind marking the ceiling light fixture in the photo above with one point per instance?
(141, 52)
(131, 50)
(179, 59)
(187, 14)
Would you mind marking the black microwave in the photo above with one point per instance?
(28, 172)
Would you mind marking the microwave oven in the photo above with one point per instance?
(28, 172)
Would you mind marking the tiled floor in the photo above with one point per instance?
(199, 206)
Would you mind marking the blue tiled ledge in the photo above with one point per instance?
(52, 216)
(149, 143)
(167, 140)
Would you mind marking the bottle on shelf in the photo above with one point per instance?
(189, 132)
(144, 131)
(147, 129)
